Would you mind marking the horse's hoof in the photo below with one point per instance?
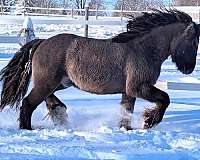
(125, 123)
(146, 125)
(24, 121)
(152, 117)
(23, 125)
(129, 128)
(59, 115)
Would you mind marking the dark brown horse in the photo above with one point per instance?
(129, 63)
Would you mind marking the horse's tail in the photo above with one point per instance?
(16, 75)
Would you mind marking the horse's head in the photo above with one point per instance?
(184, 48)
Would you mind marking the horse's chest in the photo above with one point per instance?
(152, 75)
(145, 73)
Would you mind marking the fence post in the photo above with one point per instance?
(48, 7)
(26, 34)
(121, 14)
(199, 14)
(86, 19)
(96, 11)
(24, 7)
(72, 12)
(1, 7)
(80, 11)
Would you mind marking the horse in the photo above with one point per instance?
(129, 64)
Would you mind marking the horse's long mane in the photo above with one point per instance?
(144, 24)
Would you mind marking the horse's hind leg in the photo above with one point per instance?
(153, 116)
(30, 103)
(127, 108)
(57, 110)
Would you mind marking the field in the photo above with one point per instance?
(92, 131)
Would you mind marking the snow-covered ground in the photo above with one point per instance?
(92, 131)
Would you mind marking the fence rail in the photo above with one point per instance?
(193, 11)
(5, 19)
(59, 11)
(178, 86)
(9, 39)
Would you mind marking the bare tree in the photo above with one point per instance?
(135, 5)
(80, 4)
(130, 4)
(186, 2)
(35, 3)
(7, 3)
(94, 3)
(138, 4)
(41, 3)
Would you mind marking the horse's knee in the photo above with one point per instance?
(165, 101)
(153, 117)
(52, 101)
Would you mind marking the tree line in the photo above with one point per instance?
(101, 4)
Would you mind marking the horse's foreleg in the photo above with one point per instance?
(57, 110)
(127, 108)
(155, 115)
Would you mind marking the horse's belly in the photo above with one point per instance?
(99, 88)
(99, 84)
(110, 89)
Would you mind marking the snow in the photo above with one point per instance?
(92, 131)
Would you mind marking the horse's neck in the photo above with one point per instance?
(157, 42)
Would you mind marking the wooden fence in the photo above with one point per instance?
(93, 20)
(10, 10)
(178, 86)
(193, 11)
